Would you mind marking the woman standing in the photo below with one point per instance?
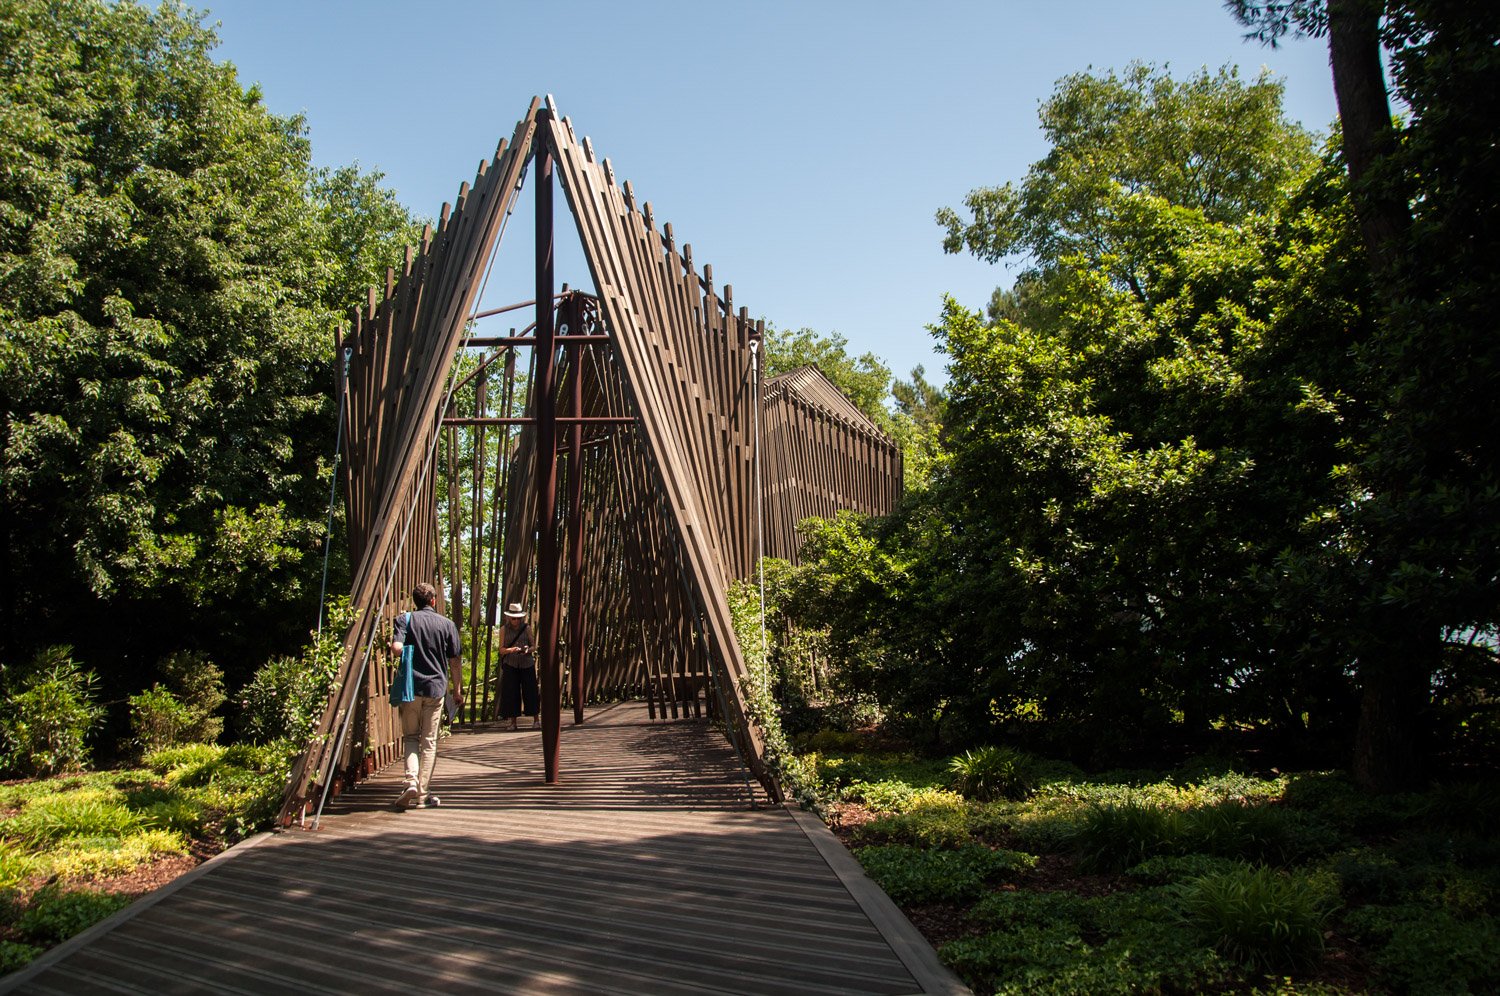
(518, 688)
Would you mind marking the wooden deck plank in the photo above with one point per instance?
(520, 911)
(605, 901)
(645, 870)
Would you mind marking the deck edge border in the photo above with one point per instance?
(58, 952)
(904, 939)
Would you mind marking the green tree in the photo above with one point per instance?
(918, 425)
(366, 229)
(1145, 423)
(919, 399)
(170, 275)
(48, 715)
(878, 590)
(864, 379)
(1211, 142)
(1127, 485)
(1426, 523)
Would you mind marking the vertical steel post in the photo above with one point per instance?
(574, 310)
(546, 459)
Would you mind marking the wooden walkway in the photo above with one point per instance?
(644, 871)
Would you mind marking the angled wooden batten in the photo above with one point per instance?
(645, 396)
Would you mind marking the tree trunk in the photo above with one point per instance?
(1396, 694)
(1396, 669)
(7, 596)
(1365, 113)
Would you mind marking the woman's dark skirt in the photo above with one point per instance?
(518, 692)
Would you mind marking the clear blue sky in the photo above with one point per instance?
(801, 148)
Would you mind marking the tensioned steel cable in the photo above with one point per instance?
(333, 490)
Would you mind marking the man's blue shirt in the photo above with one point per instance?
(435, 640)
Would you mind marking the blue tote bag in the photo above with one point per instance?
(401, 685)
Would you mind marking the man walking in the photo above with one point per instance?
(435, 643)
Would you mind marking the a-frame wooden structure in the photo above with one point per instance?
(644, 397)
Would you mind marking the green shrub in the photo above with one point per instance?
(14, 795)
(189, 776)
(91, 857)
(1114, 914)
(831, 742)
(1203, 767)
(918, 875)
(926, 817)
(1054, 959)
(54, 915)
(253, 757)
(1127, 777)
(1231, 786)
(881, 797)
(84, 813)
(198, 684)
(994, 822)
(1047, 829)
(285, 698)
(990, 773)
(1466, 893)
(836, 771)
(1425, 951)
(240, 784)
(1253, 832)
(16, 865)
(14, 955)
(1370, 876)
(1168, 868)
(158, 720)
(1050, 772)
(1447, 847)
(932, 826)
(887, 769)
(185, 816)
(1023, 907)
(1017, 958)
(1112, 838)
(1262, 918)
(45, 723)
(182, 756)
(1285, 986)
(1333, 797)
(1469, 806)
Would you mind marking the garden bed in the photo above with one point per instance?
(77, 848)
(1198, 880)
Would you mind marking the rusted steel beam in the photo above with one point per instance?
(517, 306)
(574, 343)
(492, 312)
(546, 462)
(490, 341)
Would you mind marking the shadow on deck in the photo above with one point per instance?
(645, 870)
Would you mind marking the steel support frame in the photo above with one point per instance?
(546, 461)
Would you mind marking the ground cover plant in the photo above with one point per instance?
(75, 849)
(1199, 879)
